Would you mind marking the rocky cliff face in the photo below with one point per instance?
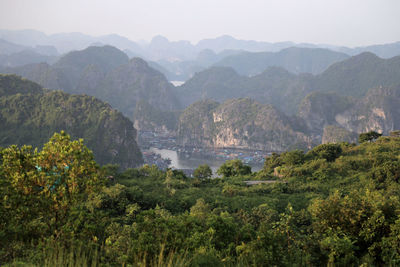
(31, 115)
(323, 117)
(377, 111)
(337, 134)
(196, 124)
(319, 109)
(239, 123)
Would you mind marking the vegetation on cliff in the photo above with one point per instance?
(30, 115)
(241, 123)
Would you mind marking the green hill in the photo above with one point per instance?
(30, 115)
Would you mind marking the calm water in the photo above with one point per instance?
(177, 83)
(179, 161)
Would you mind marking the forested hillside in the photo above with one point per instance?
(334, 205)
(30, 115)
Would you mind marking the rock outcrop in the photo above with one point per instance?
(319, 109)
(239, 123)
(377, 111)
(339, 118)
(337, 134)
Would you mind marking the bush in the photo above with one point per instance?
(202, 172)
(330, 152)
(233, 168)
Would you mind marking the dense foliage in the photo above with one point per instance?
(336, 204)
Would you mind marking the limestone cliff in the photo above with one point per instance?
(377, 111)
(239, 123)
(337, 134)
(196, 124)
(319, 109)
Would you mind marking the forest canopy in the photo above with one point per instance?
(336, 204)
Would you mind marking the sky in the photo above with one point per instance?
(337, 22)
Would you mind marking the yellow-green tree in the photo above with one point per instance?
(43, 186)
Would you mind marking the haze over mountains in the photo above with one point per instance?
(200, 133)
(296, 96)
(107, 73)
(178, 60)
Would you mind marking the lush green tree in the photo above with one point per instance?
(294, 157)
(368, 137)
(272, 162)
(44, 186)
(232, 168)
(147, 216)
(330, 152)
(202, 172)
(354, 224)
(200, 209)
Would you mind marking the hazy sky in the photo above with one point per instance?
(339, 22)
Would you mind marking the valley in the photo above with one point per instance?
(250, 114)
(189, 158)
(226, 152)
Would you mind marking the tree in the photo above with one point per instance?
(272, 162)
(200, 209)
(46, 185)
(355, 223)
(330, 152)
(203, 171)
(368, 137)
(233, 168)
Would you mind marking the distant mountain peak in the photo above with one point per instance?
(366, 55)
(159, 39)
(138, 61)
